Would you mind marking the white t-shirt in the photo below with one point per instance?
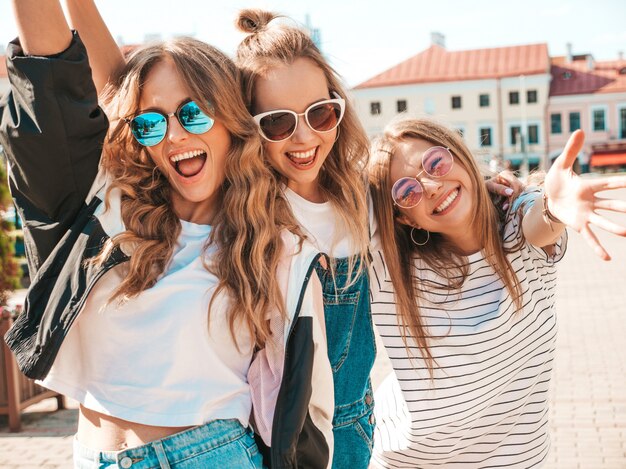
(322, 225)
(154, 360)
(488, 403)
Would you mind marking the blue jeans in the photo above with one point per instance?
(220, 443)
(351, 350)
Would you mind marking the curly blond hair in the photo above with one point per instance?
(246, 229)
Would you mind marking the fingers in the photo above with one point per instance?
(500, 189)
(593, 242)
(571, 150)
(609, 204)
(607, 225)
(605, 184)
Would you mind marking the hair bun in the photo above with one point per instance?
(252, 21)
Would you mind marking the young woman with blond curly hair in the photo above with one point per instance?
(153, 250)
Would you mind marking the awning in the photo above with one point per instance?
(608, 159)
(517, 159)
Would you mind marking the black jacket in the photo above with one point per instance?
(52, 131)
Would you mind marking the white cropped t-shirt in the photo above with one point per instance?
(157, 359)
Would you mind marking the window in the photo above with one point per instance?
(485, 136)
(555, 123)
(531, 96)
(401, 105)
(483, 100)
(533, 134)
(456, 102)
(514, 97)
(599, 123)
(622, 119)
(574, 121)
(567, 75)
(516, 133)
(375, 108)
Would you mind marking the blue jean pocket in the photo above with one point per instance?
(353, 444)
(340, 314)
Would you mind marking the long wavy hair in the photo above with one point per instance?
(246, 228)
(441, 255)
(342, 178)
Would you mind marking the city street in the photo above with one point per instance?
(588, 414)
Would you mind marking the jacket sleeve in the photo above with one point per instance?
(52, 131)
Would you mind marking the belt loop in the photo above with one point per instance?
(160, 453)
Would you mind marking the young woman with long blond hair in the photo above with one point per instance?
(318, 150)
(463, 297)
(153, 250)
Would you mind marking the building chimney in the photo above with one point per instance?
(569, 53)
(590, 62)
(437, 39)
(620, 55)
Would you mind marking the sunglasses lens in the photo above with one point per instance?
(278, 125)
(437, 161)
(324, 117)
(406, 192)
(193, 119)
(149, 128)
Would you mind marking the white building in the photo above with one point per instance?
(490, 95)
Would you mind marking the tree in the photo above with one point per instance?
(9, 270)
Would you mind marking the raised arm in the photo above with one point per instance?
(104, 55)
(572, 201)
(51, 127)
(41, 26)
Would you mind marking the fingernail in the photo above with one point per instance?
(505, 206)
(508, 191)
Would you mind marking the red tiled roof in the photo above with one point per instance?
(576, 78)
(437, 64)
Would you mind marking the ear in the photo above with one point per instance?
(402, 218)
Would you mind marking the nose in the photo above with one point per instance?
(175, 131)
(432, 186)
(303, 132)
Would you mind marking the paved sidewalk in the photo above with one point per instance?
(588, 414)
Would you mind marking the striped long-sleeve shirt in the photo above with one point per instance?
(487, 405)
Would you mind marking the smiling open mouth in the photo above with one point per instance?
(190, 163)
(302, 159)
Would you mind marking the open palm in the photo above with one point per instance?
(573, 200)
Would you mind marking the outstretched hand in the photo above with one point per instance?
(573, 200)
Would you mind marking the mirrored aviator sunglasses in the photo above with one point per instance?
(436, 162)
(149, 128)
(281, 124)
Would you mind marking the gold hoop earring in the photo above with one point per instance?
(415, 242)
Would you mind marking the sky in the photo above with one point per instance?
(364, 38)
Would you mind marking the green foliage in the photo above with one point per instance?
(9, 271)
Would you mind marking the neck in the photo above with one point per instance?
(466, 243)
(311, 192)
(200, 213)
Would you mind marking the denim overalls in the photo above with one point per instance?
(351, 350)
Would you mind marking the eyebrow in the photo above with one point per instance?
(160, 110)
(285, 108)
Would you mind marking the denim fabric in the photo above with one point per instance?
(351, 350)
(220, 443)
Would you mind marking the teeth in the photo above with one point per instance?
(186, 155)
(301, 154)
(446, 203)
